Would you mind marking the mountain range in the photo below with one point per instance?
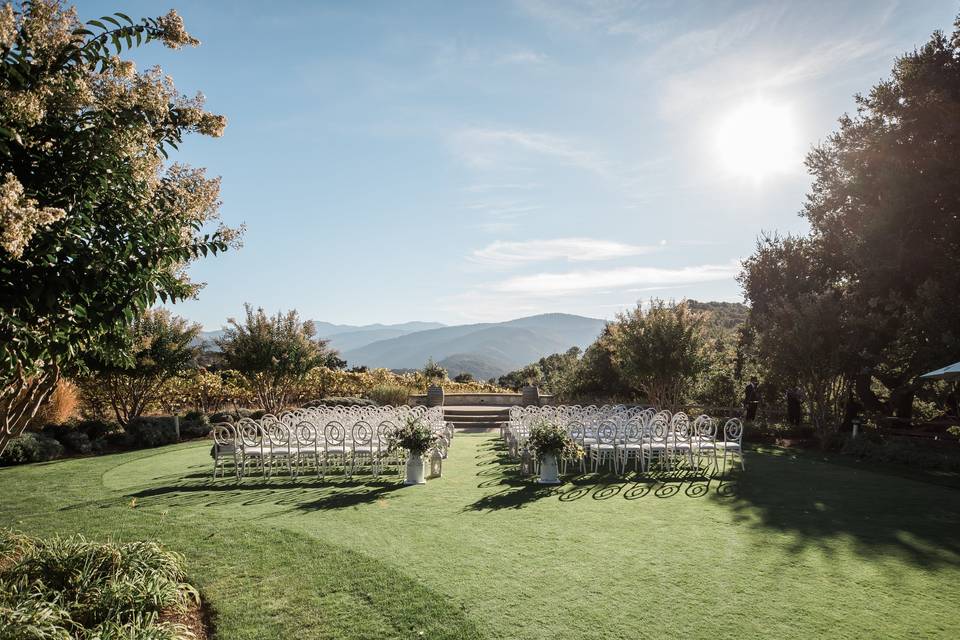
(485, 350)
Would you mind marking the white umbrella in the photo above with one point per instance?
(949, 372)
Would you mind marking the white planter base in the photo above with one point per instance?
(549, 474)
(415, 473)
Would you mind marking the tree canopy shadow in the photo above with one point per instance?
(821, 504)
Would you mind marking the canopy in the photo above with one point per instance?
(949, 372)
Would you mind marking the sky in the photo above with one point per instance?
(482, 161)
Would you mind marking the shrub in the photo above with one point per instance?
(194, 415)
(196, 428)
(337, 401)
(96, 429)
(152, 432)
(30, 447)
(256, 415)
(221, 416)
(389, 394)
(72, 588)
(75, 441)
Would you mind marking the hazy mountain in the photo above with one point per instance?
(347, 336)
(485, 350)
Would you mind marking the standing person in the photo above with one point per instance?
(794, 406)
(751, 399)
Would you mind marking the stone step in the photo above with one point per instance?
(474, 418)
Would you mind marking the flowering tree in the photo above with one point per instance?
(94, 225)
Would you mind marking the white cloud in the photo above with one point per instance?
(492, 148)
(504, 253)
(557, 284)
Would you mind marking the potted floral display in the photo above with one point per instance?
(550, 441)
(417, 438)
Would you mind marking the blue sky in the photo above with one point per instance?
(480, 161)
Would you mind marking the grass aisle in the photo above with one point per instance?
(792, 547)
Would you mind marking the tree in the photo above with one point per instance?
(884, 244)
(95, 227)
(660, 351)
(550, 372)
(597, 374)
(463, 377)
(273, 354)
(161, 344)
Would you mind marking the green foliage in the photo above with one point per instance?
(31, 447)
(546, 437)
(273, 354)
(72, 588)
(414, 436)
(196, 426)
(151, 432)
(883, 242)
(335, 401)
(161, 347)
(661, 351)
(463, 377)
(389, 394)
(98, 229)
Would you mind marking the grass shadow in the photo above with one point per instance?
(821, 504)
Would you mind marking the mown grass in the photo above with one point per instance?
(793, 547)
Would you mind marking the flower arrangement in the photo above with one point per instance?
(552, 438)
(414, 436)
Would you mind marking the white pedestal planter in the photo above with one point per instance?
(415, 469)
(548, 469)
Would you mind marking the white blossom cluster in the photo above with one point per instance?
(20, 217)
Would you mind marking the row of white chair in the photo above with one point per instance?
(615, 436)
(321, 439)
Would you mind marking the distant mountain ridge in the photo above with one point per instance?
(485, 350)
(343, 337)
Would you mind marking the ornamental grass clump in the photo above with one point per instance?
(414, 436)
(547, 438)
(72, 588)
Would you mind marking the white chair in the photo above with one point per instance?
(225, 447)
(732, 441)
(334, 445)
(604, 449)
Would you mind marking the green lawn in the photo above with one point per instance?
(793, 547)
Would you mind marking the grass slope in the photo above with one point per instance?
(793, 547)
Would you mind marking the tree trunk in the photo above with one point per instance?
(20, 399)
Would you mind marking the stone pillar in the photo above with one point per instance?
(435, 395)
(530, 396)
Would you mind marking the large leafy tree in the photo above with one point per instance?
(162, 348)
(661, 351)
(884, 246)
(274, 354)
(95, 226)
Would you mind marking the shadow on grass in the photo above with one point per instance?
(516, 491)
(821, 504)
(299, 494)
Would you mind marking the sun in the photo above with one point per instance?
(758, 139)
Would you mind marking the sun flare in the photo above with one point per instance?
(758, 139)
